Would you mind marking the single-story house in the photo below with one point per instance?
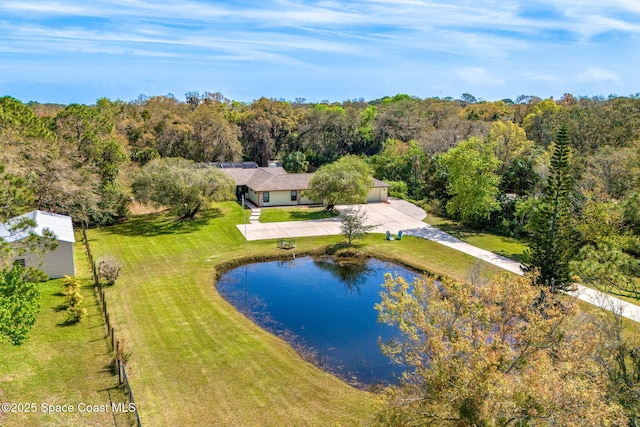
(273, 186)
(55, 263)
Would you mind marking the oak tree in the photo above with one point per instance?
(347, 180)
(179, 185)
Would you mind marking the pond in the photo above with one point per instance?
(325, 310)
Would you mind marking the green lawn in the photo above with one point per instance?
(295, 214)
(61, 365)
(506, 246)
(196, 360)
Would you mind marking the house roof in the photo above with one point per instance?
(276, 179)
(60, 225)
(270, 179)
(379, 184)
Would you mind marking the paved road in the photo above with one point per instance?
(397, 215)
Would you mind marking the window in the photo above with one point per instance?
(265, 197)
(21, 262)
(294, 195)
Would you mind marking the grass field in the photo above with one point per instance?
(196, 360)
(61, 365)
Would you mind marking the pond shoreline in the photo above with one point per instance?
(323, 306)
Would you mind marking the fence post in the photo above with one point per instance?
(119, 364)
(94, 271)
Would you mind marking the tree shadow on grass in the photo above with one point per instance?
(520, 257)
(458, 231)
(159, 224)
(68, 323)
(60, 307)
(333, 249)
(307, 216)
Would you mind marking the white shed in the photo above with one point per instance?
(56, 263)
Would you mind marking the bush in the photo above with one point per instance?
(398, 189)
(433, 207)
(144, 155)
(76, 314)
(112, 207)
(75, 311)
(109, 269)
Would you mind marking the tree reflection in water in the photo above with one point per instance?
(353, 272)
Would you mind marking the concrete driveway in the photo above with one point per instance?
(392, 216)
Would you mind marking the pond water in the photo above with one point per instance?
(325, 310)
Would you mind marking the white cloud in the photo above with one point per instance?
(478, 75)
(44, 8)
(542, 77)
(598, 75)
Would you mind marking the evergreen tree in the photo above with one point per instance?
(551, 247)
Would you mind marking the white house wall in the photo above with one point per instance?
(283, 198)
(377, 195)
(280, 198)
(253, 197)
(55, 263)
(307, 201)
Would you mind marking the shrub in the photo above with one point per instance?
(76, 314)
(75, 311)
(398, 189)
(109, 269)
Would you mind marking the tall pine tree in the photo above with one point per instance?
(552, 233)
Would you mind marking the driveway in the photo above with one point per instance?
(396, 215)
(392, 216)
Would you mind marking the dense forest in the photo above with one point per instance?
(485, 164)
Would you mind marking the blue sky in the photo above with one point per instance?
(78, 51)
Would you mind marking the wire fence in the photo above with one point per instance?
(116, 345)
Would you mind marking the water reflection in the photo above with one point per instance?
(325, 309)
(353, 273)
